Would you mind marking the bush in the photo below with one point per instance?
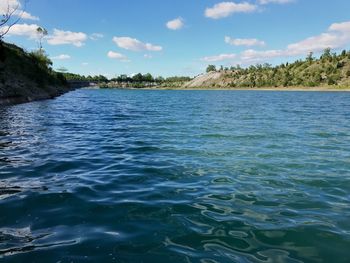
(331, 81)
(60, 77)
(41, 59)
(211, 68)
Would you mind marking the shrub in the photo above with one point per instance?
(41, 59)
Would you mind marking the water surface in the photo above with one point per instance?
(176, 176)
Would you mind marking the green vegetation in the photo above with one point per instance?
(211, 68)
(77, 77)
(173, 82)
(28, 75)
(137, 78)
(34, 66)
(124, 81)
(330, 69)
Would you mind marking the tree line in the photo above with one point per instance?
(123, 78)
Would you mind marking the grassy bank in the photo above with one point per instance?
(27, 76)
(329, 88)
(329, 71)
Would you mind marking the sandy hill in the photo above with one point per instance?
(330, 70)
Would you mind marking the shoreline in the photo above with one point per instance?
(325, 89)
(53, 93)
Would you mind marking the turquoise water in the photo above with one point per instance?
(176, 176)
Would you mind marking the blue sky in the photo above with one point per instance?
(167, 37)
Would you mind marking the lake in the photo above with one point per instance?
(176, 176)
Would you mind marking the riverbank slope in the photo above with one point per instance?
(330, 71)
(26, 77)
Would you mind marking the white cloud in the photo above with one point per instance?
(265, 2)
(96, 36)
(221, 57)
(118, 56)
(340, 27)
(62, 57)
(15, 7)
(336, 37)
(244, 42)
(61, 37)
(147, 56)
(85, 64)
(175, 24)
(22, 30)
(225, 9)
(27, 16)
(133, 44)
(9, 5)
(254, 56)
(314, 44)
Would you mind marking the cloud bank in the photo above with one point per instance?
(225, 9)
(249, 42)
(60, 37)
(337, 36)
(117, 56)
(133, 44)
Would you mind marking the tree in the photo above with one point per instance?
(211, 68)
(101, 78)
(309, 57)
(137, 78)
(267, 66)
(148, 77)
(343, 53)
(159, 79)
(326, 54)
(6, 20)
(41, 32)
(122, 78)
(287, 79)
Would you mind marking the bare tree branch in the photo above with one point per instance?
(7, 18)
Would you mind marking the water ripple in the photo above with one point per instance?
(181, 176)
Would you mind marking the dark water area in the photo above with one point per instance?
(176, 176)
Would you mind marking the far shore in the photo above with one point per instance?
(326, 89)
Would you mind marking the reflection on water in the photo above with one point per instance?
(17, 241)
(186, 176)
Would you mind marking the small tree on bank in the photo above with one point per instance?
(41, 32)
(211, 68)
(310, 57)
